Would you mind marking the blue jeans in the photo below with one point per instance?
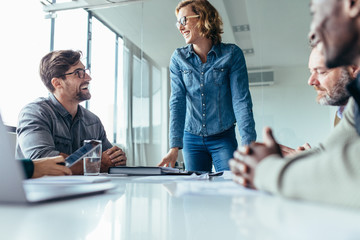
(200, 153)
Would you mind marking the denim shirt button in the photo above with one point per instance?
(203, 125)
(202, 94)
(201, 85)
(202, 73)
(204, 114)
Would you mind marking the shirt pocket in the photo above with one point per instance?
(62, 144)
(220, 75)
(187, 77)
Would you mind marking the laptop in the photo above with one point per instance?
(14, 190)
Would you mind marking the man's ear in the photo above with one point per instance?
(353, 8)
(56, 82)
(354, 70)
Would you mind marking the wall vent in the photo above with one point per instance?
(261, 77)
(241, 28)
(248, 51)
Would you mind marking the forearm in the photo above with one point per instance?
(331, 176)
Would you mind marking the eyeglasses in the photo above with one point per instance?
(183, 20)
(79, 72)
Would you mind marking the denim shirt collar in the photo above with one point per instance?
(216, 49)
(62, 111)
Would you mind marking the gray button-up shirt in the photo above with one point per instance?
(46, 129)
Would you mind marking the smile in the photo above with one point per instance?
(186, 34)
(84, 87)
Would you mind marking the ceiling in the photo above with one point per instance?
(277, 29)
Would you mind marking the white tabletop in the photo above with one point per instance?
(149, 208)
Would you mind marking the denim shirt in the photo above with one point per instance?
(209, 98)
(46, 128)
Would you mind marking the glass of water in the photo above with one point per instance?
(92, 161)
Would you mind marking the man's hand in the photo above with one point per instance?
(170, 158)
(246, 158)
(77, 168)
(287, 151)
(114, 156)
(303, 147)
(49, 166)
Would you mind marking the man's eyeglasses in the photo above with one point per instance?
(79, 72)
(183, 20)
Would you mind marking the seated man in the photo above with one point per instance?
(50, 166)
(330, 87)
(58, 124)
(330, 173)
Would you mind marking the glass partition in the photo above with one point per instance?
(103, 65)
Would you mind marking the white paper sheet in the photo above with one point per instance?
(67, 179)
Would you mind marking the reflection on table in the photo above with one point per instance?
(144, 208)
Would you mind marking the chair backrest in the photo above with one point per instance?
(12, 141)
(11, 171)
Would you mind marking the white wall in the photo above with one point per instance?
(290, 108)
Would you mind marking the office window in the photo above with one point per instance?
(120, 123)
(156, 105)
(25, 35)
(140, 101)
(71, 31)
(102, 85)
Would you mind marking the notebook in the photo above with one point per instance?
(145, 171)
(14, 190)
(154, 171)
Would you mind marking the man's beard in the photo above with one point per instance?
(338, 95)
(83, 96)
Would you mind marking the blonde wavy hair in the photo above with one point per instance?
(210, 23)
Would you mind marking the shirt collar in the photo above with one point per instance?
(60, 108)
(216, 49)
(190, 50)
(340, 111)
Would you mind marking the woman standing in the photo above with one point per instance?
(209, 92)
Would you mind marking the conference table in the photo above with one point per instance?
(178, 207)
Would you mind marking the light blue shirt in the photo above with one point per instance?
(208, 98)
